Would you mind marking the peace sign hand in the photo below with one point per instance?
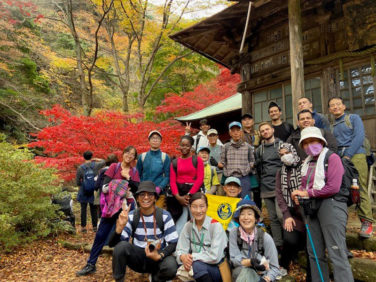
(188, 127)
(123, 217)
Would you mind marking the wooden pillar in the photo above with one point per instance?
(245, 75)
(296, 53)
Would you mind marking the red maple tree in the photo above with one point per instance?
(70, 136)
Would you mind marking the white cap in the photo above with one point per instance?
(311, 132)
(212, 131)
(154, 132)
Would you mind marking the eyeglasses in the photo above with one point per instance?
(144, 194)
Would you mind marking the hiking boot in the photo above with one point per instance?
(88, 269)
(366, 229)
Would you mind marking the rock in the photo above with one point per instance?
(354, 242)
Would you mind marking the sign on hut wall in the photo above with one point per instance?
(360, 23)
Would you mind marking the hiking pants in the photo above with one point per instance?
(246, 186)
(101, 236)
(93, 212)
(328, 230)
(126, 254)
(201, 268)
(364, 210)
(275, 223)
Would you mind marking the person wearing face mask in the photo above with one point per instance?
(288, 179)
(325, 213)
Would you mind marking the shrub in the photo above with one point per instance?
(26, 211)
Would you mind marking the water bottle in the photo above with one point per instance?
(355, 194)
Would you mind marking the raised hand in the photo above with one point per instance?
(188, 127)
(123, 217)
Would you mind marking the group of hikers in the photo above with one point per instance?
(153, 209)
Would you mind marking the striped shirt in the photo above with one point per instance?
(167, 237)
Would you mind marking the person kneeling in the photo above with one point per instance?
(154, 238)
(252, 251)
(202, 242)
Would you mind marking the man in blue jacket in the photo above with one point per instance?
(349, 132)
(320, 120)
(154, 165)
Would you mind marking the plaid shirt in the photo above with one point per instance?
(237, 160)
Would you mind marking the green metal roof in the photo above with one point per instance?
(229, 104)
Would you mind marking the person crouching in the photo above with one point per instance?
(154, 238)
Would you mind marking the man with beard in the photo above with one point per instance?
(268, 163)
(282, 129)
(305, 119)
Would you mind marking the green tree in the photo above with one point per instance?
(25, 197)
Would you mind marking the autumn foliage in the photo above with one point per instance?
(70, 136)
(204, 95)
(103, 133)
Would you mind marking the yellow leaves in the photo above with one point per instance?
(4, 67)
(104, 63)
(66, 64)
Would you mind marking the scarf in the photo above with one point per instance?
(247, 237)
(319, 178)
(238, 144)
(290, 175)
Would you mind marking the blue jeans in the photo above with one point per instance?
(182, 220)
(200, 269)
(103, 232)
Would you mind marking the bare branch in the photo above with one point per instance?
(20, 115)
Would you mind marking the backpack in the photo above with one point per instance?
(163, 157)
(111, 201)
(158, 218)
(366, 143)
(259, 240)
(100, 179)
(344, 194)
(88, 183)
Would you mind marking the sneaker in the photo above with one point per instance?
(282, 273)
(366, 229)
(88, 269)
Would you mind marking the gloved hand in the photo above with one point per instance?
(213, 162)
(255, 263)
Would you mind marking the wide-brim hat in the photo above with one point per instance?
(246, 203)
(146, 186)
(311, 132)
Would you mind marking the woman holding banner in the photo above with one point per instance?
(252, 251)
(202, 243)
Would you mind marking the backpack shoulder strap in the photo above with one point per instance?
(238, 239)
(136, 220)
(326, 159)
(348, 121)
(197, 141)
(175, 165)
(163, 157)
(194, 160)
(260, 241)
(159, 218)
(143, 156)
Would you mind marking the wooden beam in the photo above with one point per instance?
(296, 53)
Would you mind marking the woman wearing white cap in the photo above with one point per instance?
(326, 212)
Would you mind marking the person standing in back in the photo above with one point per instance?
(154, 165)
(85, 176)
(282, 129)
(349, 132)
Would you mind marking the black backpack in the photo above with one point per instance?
(259, 239)
(88, 183)
(344, 194)
(158, 218)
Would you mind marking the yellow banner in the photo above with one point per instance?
(221, 208)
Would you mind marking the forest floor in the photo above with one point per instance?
(48, 260)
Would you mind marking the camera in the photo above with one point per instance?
(153, 244)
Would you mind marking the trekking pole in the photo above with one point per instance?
(301, 201)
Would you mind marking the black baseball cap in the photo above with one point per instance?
(247, 115)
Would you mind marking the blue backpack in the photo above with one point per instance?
(88, 183)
